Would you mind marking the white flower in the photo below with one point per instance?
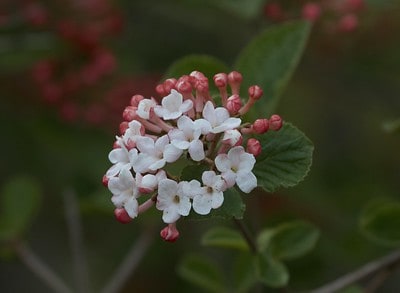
(236, 166)
(120, 157)
(145, 107)
(173, 106)
(154, 154)
(219, 118)
(186, 137)
(232, 137)
(149, 182)
(134, 130)
(125, 192)
(173, 200)
(211, 195)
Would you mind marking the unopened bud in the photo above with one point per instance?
(311, 11)
(170, 233)
(122, 216)
(275, 122)
(123, 127)
(235, 79)
(255, 92)
(234, 103)
(136, 99)
(169, 84)
(201, 85)
(183, 86)
(221, 80)
(260, 126)
(105, 181)
(129, 113)
(161, 90)
(197, 74)
(348, 23)
(253, 147)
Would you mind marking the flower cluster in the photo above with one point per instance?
(185, 125)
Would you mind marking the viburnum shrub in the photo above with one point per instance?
(188, 124)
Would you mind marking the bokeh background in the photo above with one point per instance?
(68, 68)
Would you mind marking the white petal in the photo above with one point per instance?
(184, 122)
(173, 101)
(191, 189)
(157, 165)
(142, 163)
(184, 206)
(186, 106)
(203, 125)
(230, 123)
(217, 199)
(222, 163)
(209, 177)
(229, 177)
(209, 113)
(181, 144)
(234, 156)
(246, 181)
(247, 162)
(118, 200)
(114, 170)
(132, 207)
(202, 204)
(171, 153)
(161, 143)
(149, 181)
(196, 150)
(145, 145)
(170, 215)
(167, 188)
(176, 134)
(221, 114)
(118, 155)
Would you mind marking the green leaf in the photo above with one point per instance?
(206, 64)
(244, 273)
(245, 9)
(270, 60)
(224, 237)
(202, 272)
(285, 159)
(289, 240)
(233, 206)
(193, 172)
(20, 198)
(270, 271)
(380, 222)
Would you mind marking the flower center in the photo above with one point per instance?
(210, 190)
(176, 199)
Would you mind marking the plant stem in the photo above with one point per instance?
(246, 234)
(39, 268)
(76, 241)
(130, 262)
(387, 262)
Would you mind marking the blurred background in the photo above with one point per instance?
(68, 68)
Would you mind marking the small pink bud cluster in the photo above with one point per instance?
(185, 124)
(340, 15)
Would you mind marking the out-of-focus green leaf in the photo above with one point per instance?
(244, 273)
(285, 159)
(202, 272)
(244, 9)
(233, 206)
(392, 126)
(271, 272)
(206, 64)
(224, 237)
(269, 61)
(352, 289)
(288, 240)
(193, 172)
(20, 198)
(380, 222)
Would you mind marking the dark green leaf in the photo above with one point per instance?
(289, 240)
(285, 159)
(224, 237)
(20, 199)
(244, 273)
(271, 272)
(380, 222)
(244, 9)
(202, 272)
(193, 172)
(269, 61)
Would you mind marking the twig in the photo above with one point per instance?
(40, 269)
(246, 234)
(130, 262)
(389, 261)
(76, 241)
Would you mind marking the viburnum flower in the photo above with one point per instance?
(185, 128)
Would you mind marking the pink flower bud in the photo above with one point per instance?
(129, 113)
(197, 74)
(201, 85)
(184, 86)
(161, 90)
(274, 12)
(105, 181)
(311, 11)
(253, 147)
(170, 233)
(234, 104)
(255, 92)
(234, 80)
(275, 122)
(221, 80)
(169, 84)
(122, 216)
(123, 126)
(348, 23)
(261, 126)
(136, 99)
